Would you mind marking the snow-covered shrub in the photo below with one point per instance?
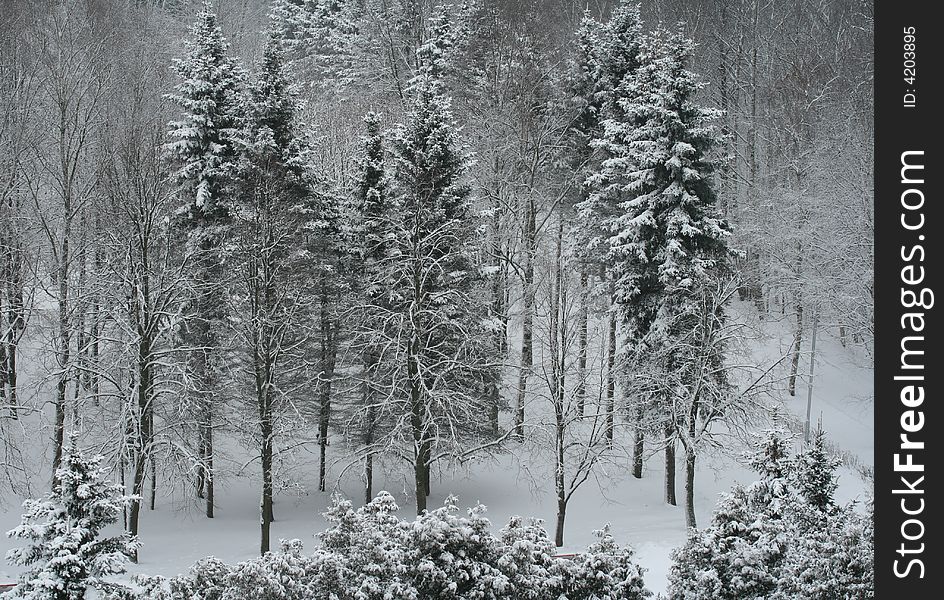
(287, 575)
(66, 554)
(527, 561)
(370, 541)
(782, 537)
(737, 556)
(455, 556)
(206, 581)
(606, 571)
(368, 553)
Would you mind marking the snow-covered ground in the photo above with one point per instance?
(176, 534)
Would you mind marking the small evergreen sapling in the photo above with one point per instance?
(66, 554)
(814, 474)
(782, 537)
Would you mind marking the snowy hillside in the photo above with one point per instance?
(175, 534)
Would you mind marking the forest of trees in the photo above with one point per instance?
(407, 234)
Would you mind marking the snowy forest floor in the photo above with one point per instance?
(176, 534)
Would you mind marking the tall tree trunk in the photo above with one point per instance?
(200, 481)
(690, 486)
(266, 509)
(582, 335)
(561, 515)
(670, 465)
(809, 388)
(96, 328)
(64, 356)
(209, 484)
(15, 325)
(328, 360)
(122, 477)
(527, 326)
(426, 457)
(4, 363)
(263, 366)
(558, 390)
(204, 397)
(209, 311)
(143, 435)
(78, 322)
(419, 474)
(638, 442)
(798, 333)
(368, 400)
(611, 371)
(500, 311)
(153, 474)
(418, 424)
(368, 477)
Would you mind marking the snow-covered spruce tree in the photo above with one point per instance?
(666, 240)
(203, 152)
(778, 539)
(831, 547)
(368, 246)
(267, 214)
(606, 54)
(814, 474)
(831, 560)
(740, 554)
(433, 329)
(322, 40)
(66, 553)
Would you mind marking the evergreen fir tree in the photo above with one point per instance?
(667, 237)
(607, 53)
(268, 214)
(66, 553)
(321, 39)
(770, 540)
(814, 474)
(204, 152)
(439, 317)
(369, 247)
(654, 202)
(740, 554)
(371, 194)
(831, 558)
(203, 148)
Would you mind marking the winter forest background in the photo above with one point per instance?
(586, 262)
